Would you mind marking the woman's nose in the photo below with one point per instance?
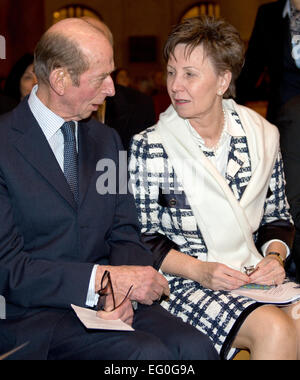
(176, 84)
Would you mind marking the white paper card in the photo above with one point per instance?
(91, 321)
(287, 293)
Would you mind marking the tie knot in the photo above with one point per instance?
(68, 130)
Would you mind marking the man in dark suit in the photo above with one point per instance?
(288, 122)
(274, 48)
(60, 231)
(129, 112)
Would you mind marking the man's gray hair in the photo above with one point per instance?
(56, 50)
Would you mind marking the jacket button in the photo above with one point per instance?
(173, 202)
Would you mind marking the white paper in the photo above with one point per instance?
(284, 294)
(91, 321)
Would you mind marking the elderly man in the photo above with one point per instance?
(59, 236)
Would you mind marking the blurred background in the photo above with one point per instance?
(140, 28)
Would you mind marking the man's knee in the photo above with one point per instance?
(147, 347)
(193, 344)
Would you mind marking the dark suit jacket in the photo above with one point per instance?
(129, 112)
(269, 45)
(47, 246)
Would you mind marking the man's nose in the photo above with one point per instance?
(109, 88)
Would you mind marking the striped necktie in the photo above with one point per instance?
(70, 157)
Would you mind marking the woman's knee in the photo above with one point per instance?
(282, 328)
(269, 326)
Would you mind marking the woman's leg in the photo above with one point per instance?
(269, 334)
(293, 311)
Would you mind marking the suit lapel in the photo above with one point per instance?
(32, 144)
(235, 162)
(238, 172)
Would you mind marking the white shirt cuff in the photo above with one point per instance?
(92, 297)
(266, 245)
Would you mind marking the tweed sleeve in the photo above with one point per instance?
(277, 222)
(144, 183)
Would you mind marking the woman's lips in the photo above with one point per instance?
(181, 101)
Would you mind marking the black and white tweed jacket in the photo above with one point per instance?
(162, 206)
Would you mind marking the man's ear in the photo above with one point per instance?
(59, 79)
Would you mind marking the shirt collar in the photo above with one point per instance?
(49, 122)
(287, 9)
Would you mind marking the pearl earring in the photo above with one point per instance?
(220, 93)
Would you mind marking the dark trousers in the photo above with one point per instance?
(158, 336)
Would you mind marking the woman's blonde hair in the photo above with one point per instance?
(220, 40)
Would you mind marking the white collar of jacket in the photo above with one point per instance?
(227, 225)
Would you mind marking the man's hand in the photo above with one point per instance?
(123, 312)
(148, 284)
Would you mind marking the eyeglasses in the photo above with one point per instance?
(107, 290)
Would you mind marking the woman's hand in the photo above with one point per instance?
(214, 276)
(269, 272)
(217, 276)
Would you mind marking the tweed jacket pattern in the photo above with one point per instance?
(161, 202)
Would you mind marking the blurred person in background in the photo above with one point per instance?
(121, 76)
(273, 53)
(21, 79)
